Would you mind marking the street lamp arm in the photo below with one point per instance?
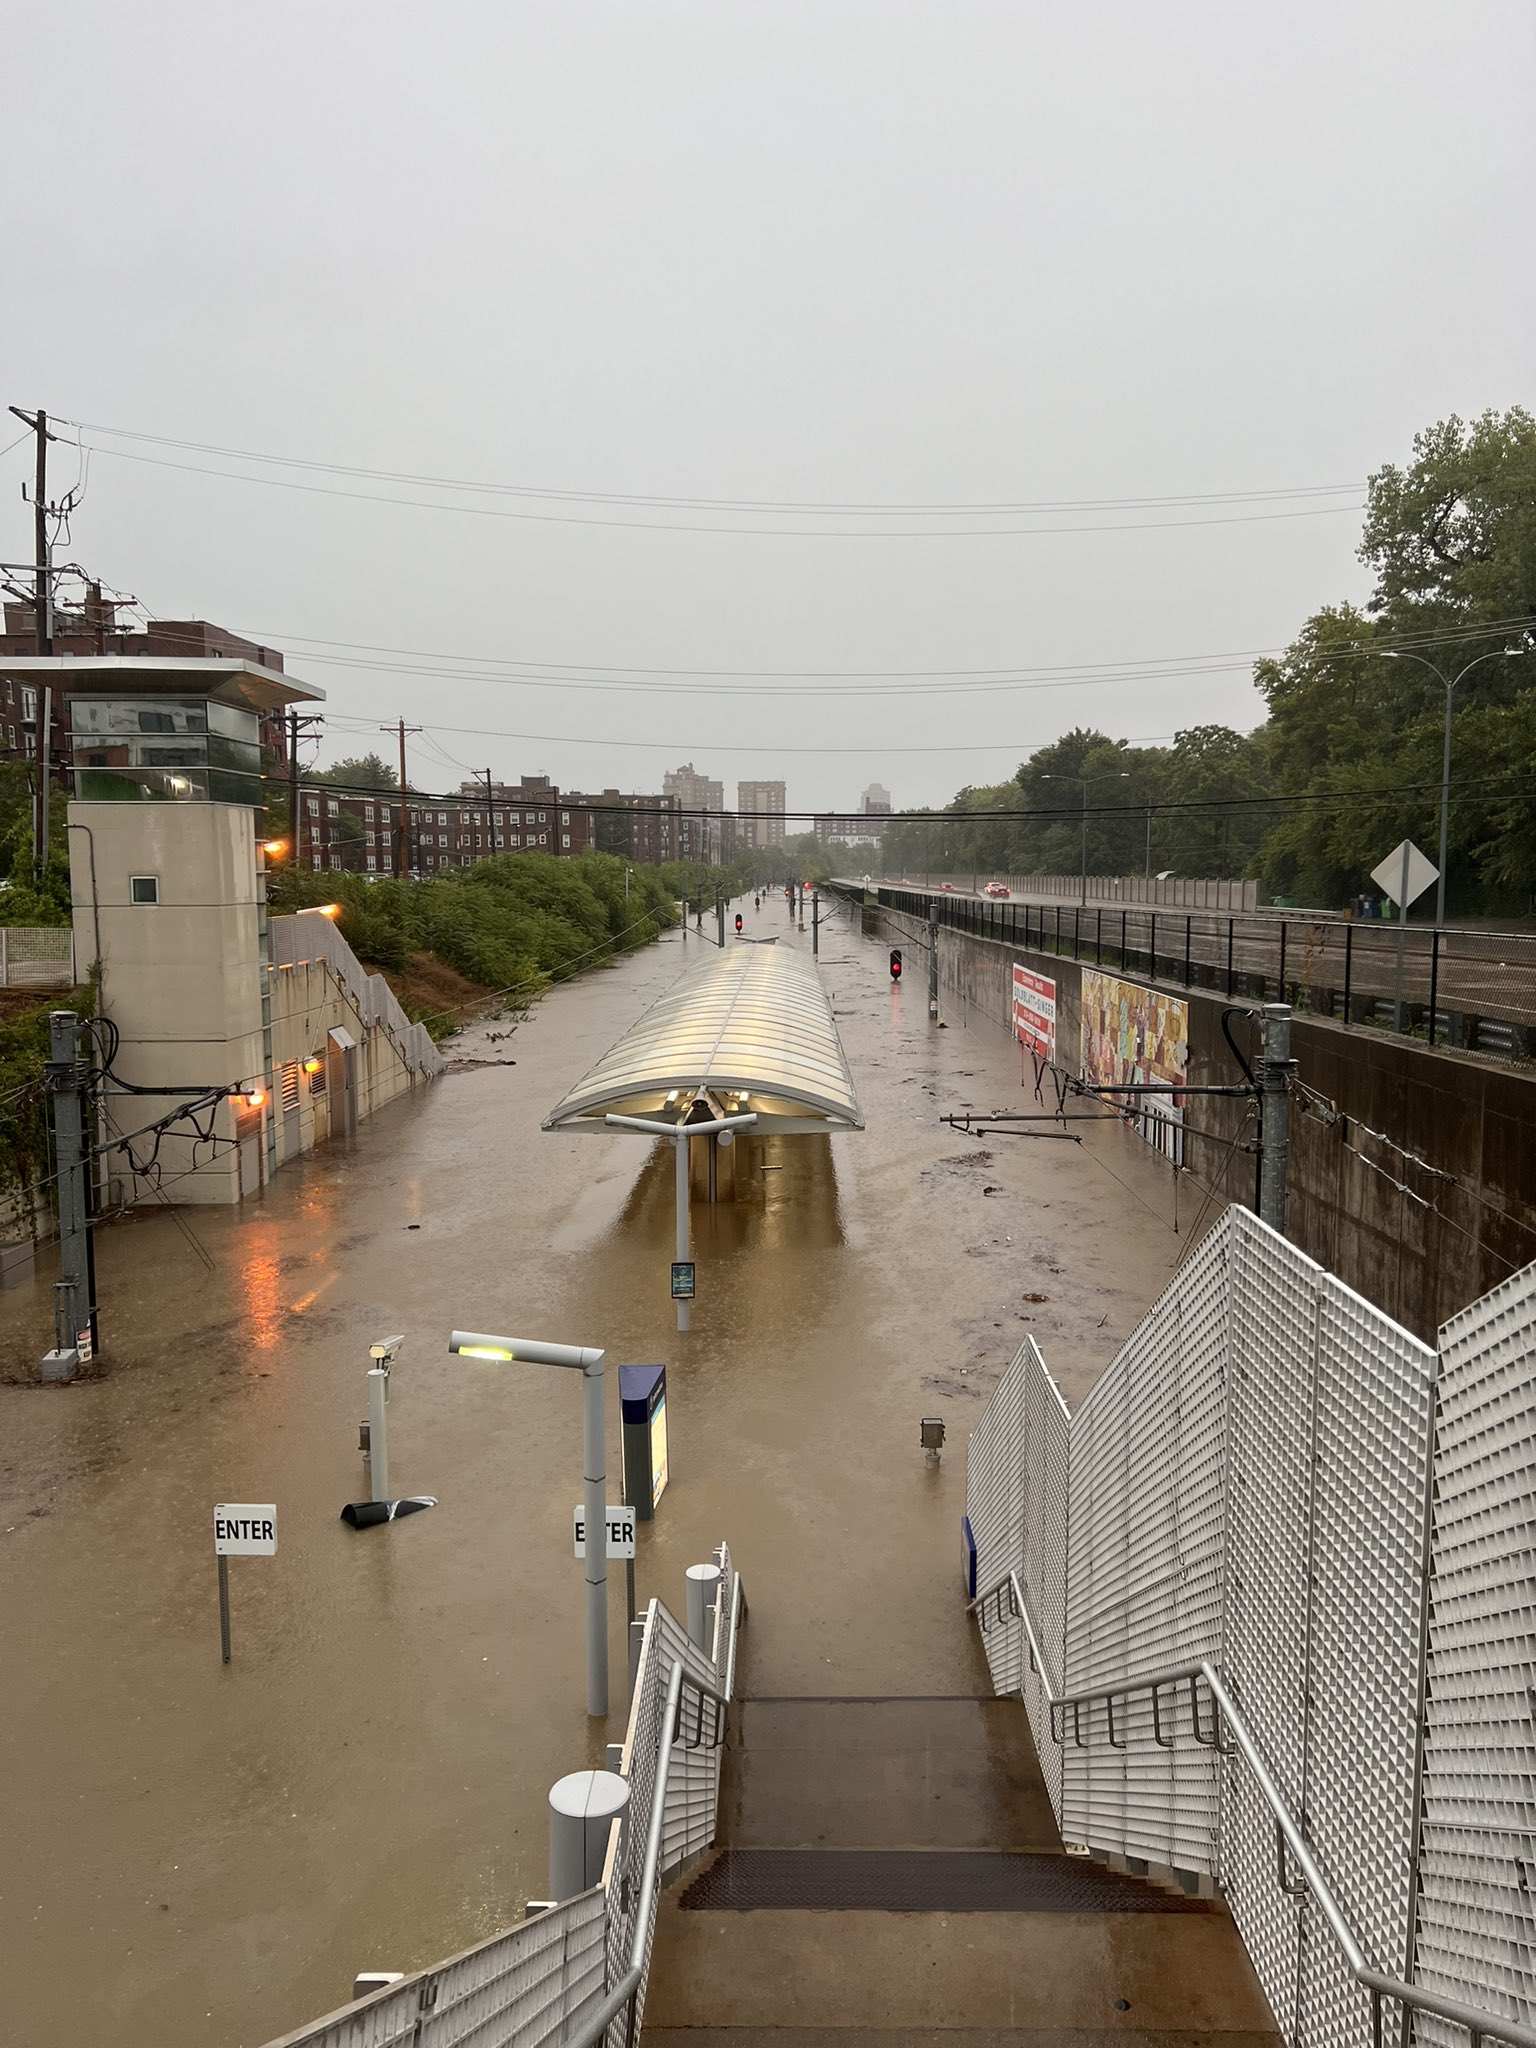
(522, 1350)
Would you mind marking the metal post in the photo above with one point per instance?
(224, 1608)
(682, 1216)
(582, 1811)
(73, 1312)
(1402, 935)
(1434, 981)
(594, 1449)
(815, 922)
(933, 960)
(1189, 942)
(720, 915)
(1231, 922)
(1152, 946)
(703, 1589)
(378, 1432)
(1275, 1109)
(1280, 991)
(1349, 957)
(1445, 806)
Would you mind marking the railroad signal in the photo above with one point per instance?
(738, 920)
(895, 963)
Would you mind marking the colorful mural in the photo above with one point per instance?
(1133, 1036)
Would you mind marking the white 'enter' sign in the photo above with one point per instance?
(245, 1529)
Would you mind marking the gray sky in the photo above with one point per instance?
(875, 252)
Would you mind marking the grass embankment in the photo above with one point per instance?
(506, 928)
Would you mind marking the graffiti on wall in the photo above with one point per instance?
(1137, 1037)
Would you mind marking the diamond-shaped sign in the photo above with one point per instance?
(1422, 874)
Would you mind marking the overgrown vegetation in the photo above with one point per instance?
(1451, 541)
(24, 897)
(510, 924)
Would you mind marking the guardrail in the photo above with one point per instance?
(576, 1972)
(1479, 2023)
(1474, 991)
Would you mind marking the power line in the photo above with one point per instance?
(697, 504)
(674, 526)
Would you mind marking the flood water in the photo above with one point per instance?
(199, 1855)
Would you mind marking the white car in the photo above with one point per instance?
(997, 889)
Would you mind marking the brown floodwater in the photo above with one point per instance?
(199, 1855)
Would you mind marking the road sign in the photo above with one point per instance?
(245, 1529)
(1405, 885)
(682, 1279)
(621, 1531)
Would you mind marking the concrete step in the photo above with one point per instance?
(870, 1773)
(923, 1881)
(946, 2037)
(1169, 1977)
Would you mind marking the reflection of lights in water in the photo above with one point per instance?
(260, 1285)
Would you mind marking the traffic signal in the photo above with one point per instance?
(738, 920)
(895, 964)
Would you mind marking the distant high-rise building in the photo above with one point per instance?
(876, 801)
(700, 794)
(761, 808)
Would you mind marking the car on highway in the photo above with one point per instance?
(997, 889)
(949, 887)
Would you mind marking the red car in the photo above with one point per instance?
(997, 889)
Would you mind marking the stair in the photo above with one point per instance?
(888, 1872)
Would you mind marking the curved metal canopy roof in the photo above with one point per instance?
(750, 1030)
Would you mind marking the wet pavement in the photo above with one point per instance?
(195, 1855)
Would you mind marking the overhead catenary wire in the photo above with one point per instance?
(738, 504)
(760, 532)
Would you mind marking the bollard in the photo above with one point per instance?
(582, 1810)
(703, 1582)
(378, 1432)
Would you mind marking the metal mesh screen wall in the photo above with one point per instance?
(1249, 1485)
(1477, 1876)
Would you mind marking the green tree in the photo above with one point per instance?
(357, 771)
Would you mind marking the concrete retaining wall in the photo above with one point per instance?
(1421, 1241)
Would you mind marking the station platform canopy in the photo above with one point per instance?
(749, 1030)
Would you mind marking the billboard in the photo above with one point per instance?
(1034, 1012)
(1135, 1036)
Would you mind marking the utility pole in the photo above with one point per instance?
(720, 914)
(403, 833)
(293, 790)
(74, 1308)
(815, 922)
(1275, 1070)
(490, 817)
(42, 600)
(933, 959)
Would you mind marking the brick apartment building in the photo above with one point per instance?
(761, 808)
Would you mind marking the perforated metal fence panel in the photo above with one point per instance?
(1477, 1885)
(1144, 1548)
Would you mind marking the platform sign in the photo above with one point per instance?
(643, 1407)
(683, 1271)
(1034, 1012)
(621, 1531)
(245, 1529)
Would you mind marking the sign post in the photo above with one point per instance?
(620, 1530)
(1404, 875)
(240, 1529)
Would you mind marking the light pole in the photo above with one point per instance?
(1113, 775)
(530, 1351)
(1450, 682)
(679, 1134)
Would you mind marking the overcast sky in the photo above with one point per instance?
(815, 252)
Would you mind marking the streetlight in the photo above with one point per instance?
(1112, 775)
(530, 1351)
(1450, 682)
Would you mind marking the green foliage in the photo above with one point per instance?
(1353, 718)
(25, 1149)
(25, 899)
(511, 924)
(357, 771)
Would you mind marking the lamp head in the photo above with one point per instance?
(386, 1349)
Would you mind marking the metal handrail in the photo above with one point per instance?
(1480, 2025)
(738, 1601)
(1018, 1610)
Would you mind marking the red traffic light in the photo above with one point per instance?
(738, 920)
(895, 964)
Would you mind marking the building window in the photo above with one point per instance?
(500, 841)
(442, 819)
(336, 863)
(565, 841)
(144, 888)
(373, 861)
(332, 807)
(313, 805)
(28, 705)
(314, 860)
(368, 814)
(565, 819)
(541, 821)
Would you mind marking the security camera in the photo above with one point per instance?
(383, 1352)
